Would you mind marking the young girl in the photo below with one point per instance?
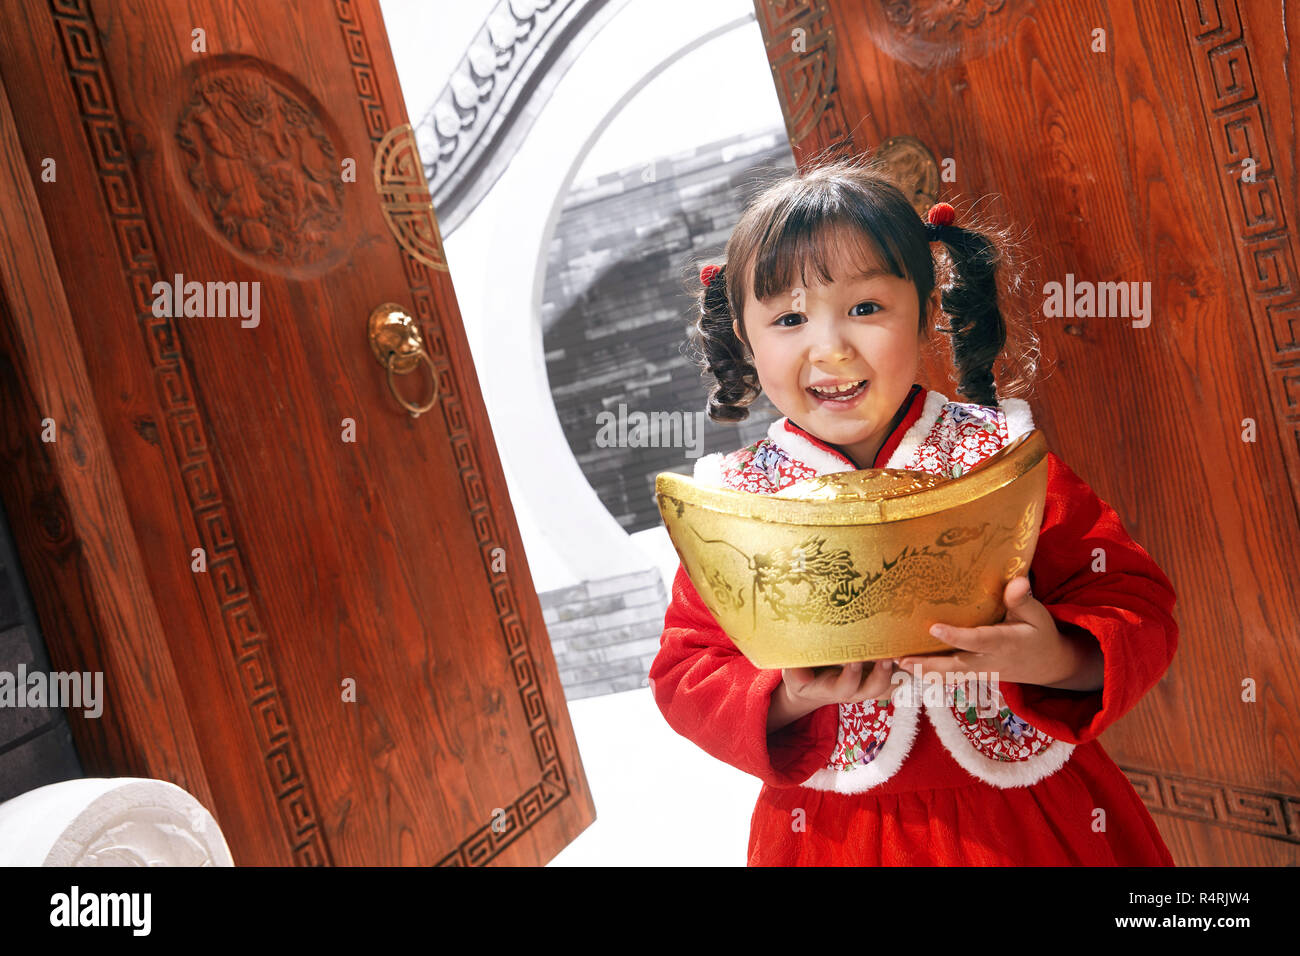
(824, 304)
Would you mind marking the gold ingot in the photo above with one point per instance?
(858, 565)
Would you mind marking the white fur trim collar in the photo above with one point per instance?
(708, 470)
(801, 449)
(999, 773)
(1019, 418)
(903, 728)
(902, 456)
(793, 443)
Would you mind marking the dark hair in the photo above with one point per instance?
(791, 223)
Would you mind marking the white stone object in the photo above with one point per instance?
(110, 821)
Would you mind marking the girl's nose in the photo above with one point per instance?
(831, 347)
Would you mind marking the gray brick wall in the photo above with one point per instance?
(35, 743)
(616, 317)
(605, 634)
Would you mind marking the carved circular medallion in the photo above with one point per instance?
(912, 167)
(264, 169)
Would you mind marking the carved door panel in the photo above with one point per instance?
(312, 609)
(1160, 150)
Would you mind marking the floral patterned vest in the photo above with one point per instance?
(875, 736)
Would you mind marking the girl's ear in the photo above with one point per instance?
(746, 350)
(934, 308)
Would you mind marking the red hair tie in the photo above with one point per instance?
(941, 214)
(938, 221)
(708, 272)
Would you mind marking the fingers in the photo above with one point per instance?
(1016, 592)
(967, 638)
(982, 640)
(797, 678)
(849, 683)
(833, 683)
(878, 684)
(846, 685)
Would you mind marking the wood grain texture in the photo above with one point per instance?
(1126, 166)
(64, 498)
(328, 560)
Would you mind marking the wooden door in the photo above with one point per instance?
(1160, 150)
(312, 609)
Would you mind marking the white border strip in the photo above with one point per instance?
(1019, 417)
(1002, 774)
(708, 470)
(802, 450)
(930, 413)
(903, 728)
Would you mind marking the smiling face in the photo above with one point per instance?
(863, 325)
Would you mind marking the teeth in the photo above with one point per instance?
(834, 391)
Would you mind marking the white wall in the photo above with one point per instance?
(662, 76)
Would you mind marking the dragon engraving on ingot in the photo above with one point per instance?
(816, 583)
(813, 583)
(724, 593)
(1024, 531)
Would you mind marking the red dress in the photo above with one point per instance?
(876, 785)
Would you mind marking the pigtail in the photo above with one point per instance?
(722, 355)
(970, 301)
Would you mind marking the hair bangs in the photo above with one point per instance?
(813, 234)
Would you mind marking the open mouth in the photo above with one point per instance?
(840, 395)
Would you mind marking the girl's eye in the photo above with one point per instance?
(874, 306)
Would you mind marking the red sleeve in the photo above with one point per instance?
(713, 696)
(1126, 608)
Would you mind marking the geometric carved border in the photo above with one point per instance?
(1274, 815)
(1238, 129)
(486, 842)
(187, 437)
(805, 79)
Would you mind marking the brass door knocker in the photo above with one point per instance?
(398, 346)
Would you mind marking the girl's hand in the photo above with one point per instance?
(811, 688)
(1026, 648)
(805, 689)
